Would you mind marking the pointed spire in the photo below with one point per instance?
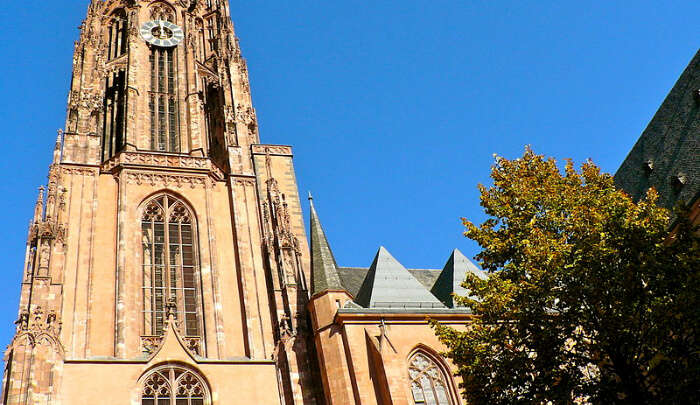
(39, 207)
(389, 285)
(453, 274)
(324, 270)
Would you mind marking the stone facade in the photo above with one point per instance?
(167, 259)
(102, 296)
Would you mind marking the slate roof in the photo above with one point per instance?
(390, 285)
(452, 276)
(324, 270)
(669, 148)
(352, 277)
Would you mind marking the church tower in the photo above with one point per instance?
(167, 261)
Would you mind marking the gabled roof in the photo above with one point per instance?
(452, 276)
(324, 270)
(389, 285)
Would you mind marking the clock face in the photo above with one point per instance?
(162, 33)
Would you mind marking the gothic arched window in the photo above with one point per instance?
(113, 128)
(118, 34)
(170, 266)
(174, 386)
(428, 381)
(163, 100)
(114, 104)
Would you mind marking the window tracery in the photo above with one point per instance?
(428, 382)
(170, 266)
(163, 103)
(118, 34)
(162, 11)
(163, 100)
(174, 386)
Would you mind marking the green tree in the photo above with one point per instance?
(590, 298)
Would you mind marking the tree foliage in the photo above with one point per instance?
(590, 298)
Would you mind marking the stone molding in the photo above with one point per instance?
(282, 150)
(167, 180)
(141, 159)
(78, 171)
(243, 181)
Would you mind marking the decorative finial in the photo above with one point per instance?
(39, 207)
(58, 147)
(171, 310)
(311, 198)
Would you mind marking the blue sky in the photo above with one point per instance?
(394, 108)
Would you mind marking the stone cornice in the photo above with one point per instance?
(365, 315)
(280, 150)
(181, 164)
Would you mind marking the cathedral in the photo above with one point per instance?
(168, 262)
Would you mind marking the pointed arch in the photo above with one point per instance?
(430, 378)
(118, 34)
(171, 276)
(174, 384)
(162, 10)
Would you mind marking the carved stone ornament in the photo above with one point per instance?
(78, 171)
(189, 4)
(86, 99)
(193, 344)
(244, 182)
(272, 150)
(149, 344)
(230, 114)
(39, 321)
(196, 164)
(165, 180)
(48, 231)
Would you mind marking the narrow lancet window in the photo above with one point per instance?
(170, 266)
(428, 382)
(216, 124)
(118, 35)
(163, 100)
(113, 129)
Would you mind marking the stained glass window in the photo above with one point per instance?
(428, 382)
(170, 266)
